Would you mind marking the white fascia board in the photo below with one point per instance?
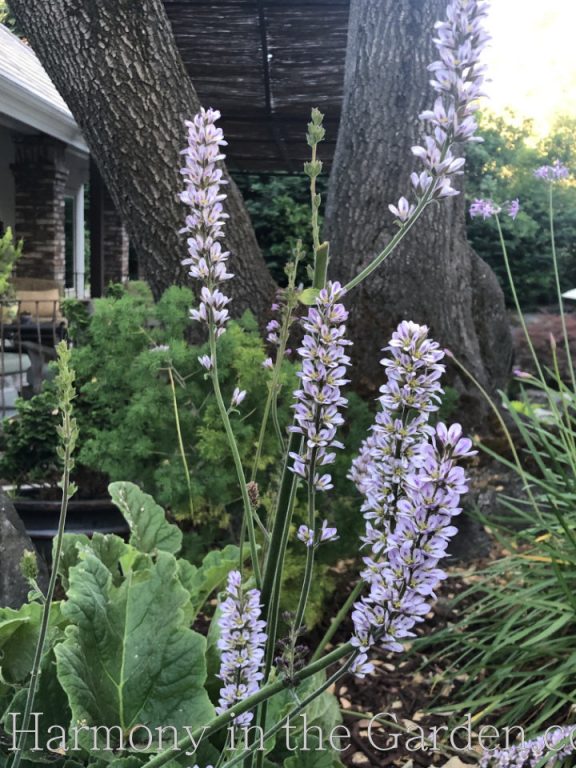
(22, 105)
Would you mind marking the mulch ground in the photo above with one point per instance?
(405, 689)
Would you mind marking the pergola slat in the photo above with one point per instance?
(264, 64)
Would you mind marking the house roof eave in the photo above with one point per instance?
(19, 103)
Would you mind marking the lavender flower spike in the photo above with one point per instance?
(457, 79)
(488, 208)
(530, 753)
(206, 259)
(241, 644)
(407, 472)
(555, 172)
(319, 399)
(308, 536)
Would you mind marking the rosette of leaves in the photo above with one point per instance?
(122, 656)
(121, 652)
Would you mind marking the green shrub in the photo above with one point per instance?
(10, 252)
(128, 350)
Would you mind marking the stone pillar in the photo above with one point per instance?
(40, 175)
(115, 245)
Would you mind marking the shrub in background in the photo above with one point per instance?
(502, 166)
(129, 350)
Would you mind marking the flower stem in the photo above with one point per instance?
(398, 237)
(68, 433)
(517, 301)
(248, 517)
(524, 326)
(337, 620)
(181, 442)
(506, 431)
(310, 550)
(265, 693)
(558, 288)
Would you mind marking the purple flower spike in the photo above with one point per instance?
(241, 645)
(206, 259)
(457, 79)
(306, 535)
(542, 750)
(555, 172)
(319, 400)
(513, 208)
(484, 208)
(407, 472)
(206, 362)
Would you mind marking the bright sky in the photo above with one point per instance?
(532, 57)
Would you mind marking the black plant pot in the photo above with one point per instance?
(41, 516)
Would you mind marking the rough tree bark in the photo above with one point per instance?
(117, 67)
(434, 277)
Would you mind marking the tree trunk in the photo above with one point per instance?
(117, 67)
(434, 277)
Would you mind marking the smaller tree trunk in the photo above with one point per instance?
(116, 64)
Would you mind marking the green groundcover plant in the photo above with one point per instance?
(136, 685)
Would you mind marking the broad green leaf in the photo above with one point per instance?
(315, 754)
(109, 548)
(202, 581)
(150, 531)
(51, 704)
(69, 554)
(18, 636)
(127, 659)
(308, 296)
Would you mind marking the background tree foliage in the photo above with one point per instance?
(502, 168)
(279, 206)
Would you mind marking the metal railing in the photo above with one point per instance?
(29, 333)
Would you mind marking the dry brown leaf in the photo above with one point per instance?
(455, 762)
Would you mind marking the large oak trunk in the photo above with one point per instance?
(117, 67)
(434, 277)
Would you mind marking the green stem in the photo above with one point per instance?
(293, 713)
(271, 405)
(307, 581)
(314, 206)
(337, 620)
(558, 288)
(321, 266)
(398, 237)
(68, 437)
(523, 324)
(265, 693)
(275, 566)
(517, 301)
(236, 458)
(506, 431)
(181, 442)
(280, 529)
